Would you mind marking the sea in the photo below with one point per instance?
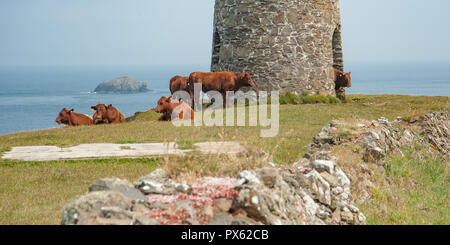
(31, 97)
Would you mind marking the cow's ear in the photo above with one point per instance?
(109, 106)
(94, 108)
(72, 110)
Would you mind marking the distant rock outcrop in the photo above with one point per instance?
(122, 85)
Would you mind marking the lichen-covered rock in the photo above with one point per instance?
(436, 127)
(115, 184)
(271, 196)
(86, 209)
(158, 182)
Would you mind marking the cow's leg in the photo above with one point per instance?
(225, 99)
(195, 97)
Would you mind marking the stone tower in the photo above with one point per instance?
(287, 45)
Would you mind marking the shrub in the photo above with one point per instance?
(290, 98)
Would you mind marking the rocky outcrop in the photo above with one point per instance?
(436, 127)
(316, 193)
(122, 85)
(381, 137)
(371, 143)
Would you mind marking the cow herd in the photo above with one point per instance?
(104, 114)
(221, 82)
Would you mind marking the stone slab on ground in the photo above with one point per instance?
(54, 153)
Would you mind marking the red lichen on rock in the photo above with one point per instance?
(202, 194)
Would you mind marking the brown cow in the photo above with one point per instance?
(167, 106)
(220, 82)
(69, 117)
(342, 80)
(178, 83)
(107, 114)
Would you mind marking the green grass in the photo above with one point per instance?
(35, 193)
(293, 99)
(185, 144)
(4, 149)
(419, 193)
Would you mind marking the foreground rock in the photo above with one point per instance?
(316, 194)
(122, 85)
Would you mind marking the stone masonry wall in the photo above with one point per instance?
(289, 45)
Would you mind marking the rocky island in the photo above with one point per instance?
(122, 85)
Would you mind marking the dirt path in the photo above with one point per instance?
(54, 153)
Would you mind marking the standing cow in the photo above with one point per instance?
(221, 82)
(178, 83)
(342, 80)
(69, 117)
(107, 114)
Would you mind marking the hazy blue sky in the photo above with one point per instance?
(128, 32)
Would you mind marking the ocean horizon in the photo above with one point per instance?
(31, 97)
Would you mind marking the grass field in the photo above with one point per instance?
(35, 193)
(420, 192)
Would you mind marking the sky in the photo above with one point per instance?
(146, 32)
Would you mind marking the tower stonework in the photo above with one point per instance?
(286, 45)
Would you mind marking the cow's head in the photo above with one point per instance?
(101, 113)
(63, 116)
(348, 77)
(344, 80)
(163, 104)
(246, 80)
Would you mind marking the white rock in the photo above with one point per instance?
(338, 190)
(255, 200)
(342, 178)
(320, 187)
(375, 135)
(249, 177)
(311, 207)
(324, 165)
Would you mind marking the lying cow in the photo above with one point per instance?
(178, 83)
(220, 81)
(342, 80)
(107, 114)
(168, 107)
(69, 117)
